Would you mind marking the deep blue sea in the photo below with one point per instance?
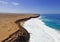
(51, 20)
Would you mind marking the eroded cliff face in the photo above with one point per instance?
(12, 29)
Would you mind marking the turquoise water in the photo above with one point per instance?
(51, 20)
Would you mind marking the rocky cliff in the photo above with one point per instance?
(12, 27)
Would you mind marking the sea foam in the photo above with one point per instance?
(39, 32)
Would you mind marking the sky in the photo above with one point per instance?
(30, 6)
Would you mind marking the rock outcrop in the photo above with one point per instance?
(20, 34)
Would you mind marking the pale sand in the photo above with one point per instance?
(40, 32)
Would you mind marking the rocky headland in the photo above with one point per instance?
(11, 27)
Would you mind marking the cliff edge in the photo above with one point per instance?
(11, 27)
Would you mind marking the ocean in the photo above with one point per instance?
(44, 28)
(51, 20)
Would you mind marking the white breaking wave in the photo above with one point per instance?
(39, 32)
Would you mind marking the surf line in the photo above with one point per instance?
(52, 32)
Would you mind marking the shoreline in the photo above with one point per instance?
(44, 32)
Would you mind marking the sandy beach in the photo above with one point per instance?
(40, 32)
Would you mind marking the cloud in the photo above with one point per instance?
(3, 2)
(15, 3)
(12, 3)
